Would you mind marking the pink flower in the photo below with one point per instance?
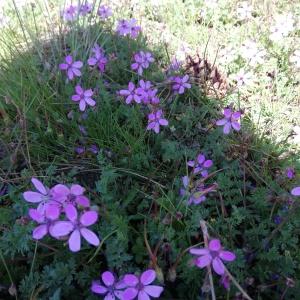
(45, 221)
(155, 120)
(200, 165)
(63, 195)
(85, 9)
(179, 84)
(142, 61)
(77, 227)
(296, 191)
(110, 288)
(72, 68)
(104, 12)
(214, 255)
(84, 97)
(98, 58)
(132, 94)
(70, 13)
(290, 173)
(141, 286)
(128, 27)
(230, 121)
(42, 196)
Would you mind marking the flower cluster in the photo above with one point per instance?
(98, 58)
(129, 287)
(63, 212)
(194, 189)
(128, 27)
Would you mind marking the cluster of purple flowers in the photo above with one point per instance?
(98, 58)
(129, 287)
(72, 12)
(128, 28)
(63, 212)
(142, 61)
(194, 189)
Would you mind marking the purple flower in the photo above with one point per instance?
(70, 13)
(296, 191)
(195, 192)
(94, 149)
(80, 149)
(42, 196)
(179, 84)
(141, 286)
(64, 196)
(214, 255)
(155, 120)
(85, 9)
(45, 221)
(77, 227)
(104, 12)
(128, 27)
(72, 68)
(110, 288)
(147, 94)
(98, 58)
(142, 61)
(200, 165)
(230, 121)
(131, 94)
(84, 97)
(290, 173)
(277, 220)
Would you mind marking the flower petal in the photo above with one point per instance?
(77, 64)
(39, 186)
(296, 191)
(90, 101)
(227, 112)
(88, 218)
(82, 105)
(131, 280)
(227, 255)
(109, 296)
(90, 236)
(199, 251)
(71, 212)
(143, 295)
(75, 241)
(214, 245)
(130, 293)
(203, 261)
(227, 128)
(52, 212)
(83, 201)
(98, 288)
(148, 277)
(77, 189)
(236, 126)
(218, 266)
(153, 290)
(40, 231)
(108, 278)
(33, 197)
(61, 228)
(69, 59)
(36, 215)
(221, 122)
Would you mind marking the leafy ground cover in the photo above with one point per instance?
(149, 149)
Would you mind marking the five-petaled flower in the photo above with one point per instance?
(155, 120)
(230, 121)
(110, 287)
(179, 84)
(104, 12)
(200, 165)
(131, 94)
(71, 67)
(142, 61)
(214, 255)
(77, 227)
(84, 97)
(141, 287)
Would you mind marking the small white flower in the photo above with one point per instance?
(296, 58)
(252, 53)
(244, 11)
(284, 24)
(243, 78)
